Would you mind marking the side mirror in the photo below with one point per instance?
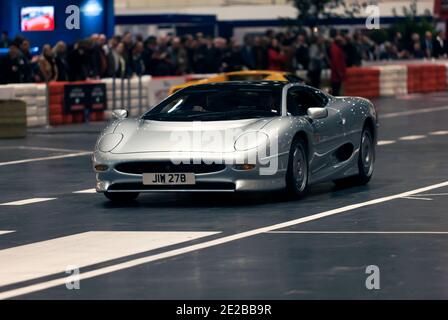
(317, 113)
(120, 114)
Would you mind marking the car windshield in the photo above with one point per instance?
(218, 104)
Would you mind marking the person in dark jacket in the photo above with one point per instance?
(247, 53)
(137, 63)
(302, 53)
(440, 46)
(4, 40)
(79, 62)
(60, 56)
(13, 66)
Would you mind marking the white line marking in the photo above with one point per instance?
(70, 155)
(85, 191)
(439, 133)
(432, 195)
(411, 112)
(26, 201)
(385, 142)
(41, 149)
(359, 232)
(212, 243)
(418, 198)
(50, 257)
(6, 232)
(411, 138)
(50, 149)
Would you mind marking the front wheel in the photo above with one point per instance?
(297, 173)
(121, 197)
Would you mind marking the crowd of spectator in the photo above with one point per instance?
(127, 55)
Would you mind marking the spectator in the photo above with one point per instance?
(13, 66)
(137, 64)
(47, 65)
(400, 47)
(337, 65)
(232, 59)
(79, 61)
(4, 40)
(31, 67)
(440, 46)
(417, 51)
(147, 55)
(260, 53)
(317, 60)
(247, 53)
(388, 52)
(276, 56)
(302, 53)
(60, 55)
(428, 45)
(353, 49)
(162, 64)
(116, 62)
(179, 56)
(128, 44)
(208, 58)
(98, 57)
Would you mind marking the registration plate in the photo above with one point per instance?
(168, 179)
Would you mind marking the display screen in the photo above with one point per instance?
(37, 18)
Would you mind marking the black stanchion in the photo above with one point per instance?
(129, 94)
(114, 95)
(140, 98)
(122, 92)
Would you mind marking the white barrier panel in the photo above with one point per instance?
(126, 95)
(6, 93)
(34, 95)
(393, 80)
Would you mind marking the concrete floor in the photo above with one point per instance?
(215, 248)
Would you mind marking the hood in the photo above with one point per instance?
(199, 136)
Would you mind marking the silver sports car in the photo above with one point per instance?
(238, 136)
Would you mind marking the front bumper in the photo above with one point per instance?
(228, 179)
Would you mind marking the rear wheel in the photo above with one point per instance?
(297, 173)
(121, 197)
(366, 161)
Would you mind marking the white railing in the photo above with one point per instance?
(152, 4)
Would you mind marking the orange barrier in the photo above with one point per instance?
(426, 78)
(56, 102)
(362, 82)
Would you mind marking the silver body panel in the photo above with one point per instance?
(147, 141)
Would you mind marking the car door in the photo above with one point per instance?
(327, 133)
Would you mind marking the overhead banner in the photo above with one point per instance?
(79, 97)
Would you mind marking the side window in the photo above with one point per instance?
(321, 98)
(301, 99)
(292, 103)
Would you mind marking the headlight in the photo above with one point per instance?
(109, 142)
(251, 140)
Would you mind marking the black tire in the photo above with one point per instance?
(366, 161)
(297, 173)
(121, 197)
